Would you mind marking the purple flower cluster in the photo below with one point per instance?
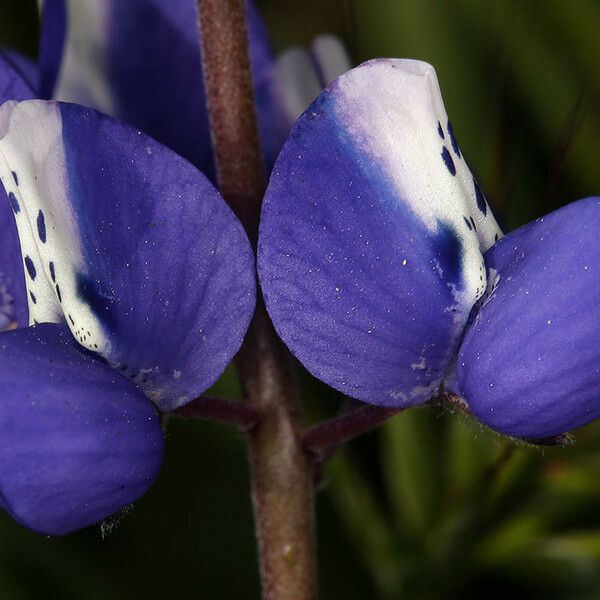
(127, 284)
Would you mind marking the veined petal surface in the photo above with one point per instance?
(529, 365)
(372, 234)
(78, 441)
(138, 60)
(128, 244)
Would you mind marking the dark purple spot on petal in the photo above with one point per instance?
(41, 226)
(58, 293)
(448, 161)
(15, 177)
(473, 223)
(30, 267)
(33, 298)
(441, 131)
(88, 292)
(449, 251)
(52, 271)
(453, 140)
(481, 202)
(468, 224)
(14, 202)
(71, 319)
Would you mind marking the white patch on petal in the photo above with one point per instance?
(298, 75)
(393, 109)
(331, 58)
(398, 395)
(424, 393)
(297, 82)
(83, 76)
(420, 366)
(31, 146)
(46, 309)
(493, 279)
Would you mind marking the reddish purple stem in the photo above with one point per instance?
(232, 412)
(328, 435)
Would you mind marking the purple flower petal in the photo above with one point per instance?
(52, 43)
(26, 68)
(138, 60)
(78, 441)
(12, 84)
(370, 249)
(529, 365)
(128, 244)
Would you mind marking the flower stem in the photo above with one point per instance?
(328, 435)
(282, 474)
(232, 412)
(281, 470)
(325, 438)
(230, 100)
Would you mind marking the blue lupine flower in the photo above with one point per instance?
(135, 275)
(377, 248)
(140, 61)
(139, 283)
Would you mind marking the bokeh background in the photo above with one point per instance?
(430, 505)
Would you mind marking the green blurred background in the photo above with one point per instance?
(430, 505)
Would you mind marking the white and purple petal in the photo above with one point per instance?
(291, 84)
(13, 293)
(78, 441)
(372, 236)
(128, 244)
(529, 365)
(13, 299)
(138, 60)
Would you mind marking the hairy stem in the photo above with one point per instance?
(282, 488)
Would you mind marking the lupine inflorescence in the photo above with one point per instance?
(127, 284)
